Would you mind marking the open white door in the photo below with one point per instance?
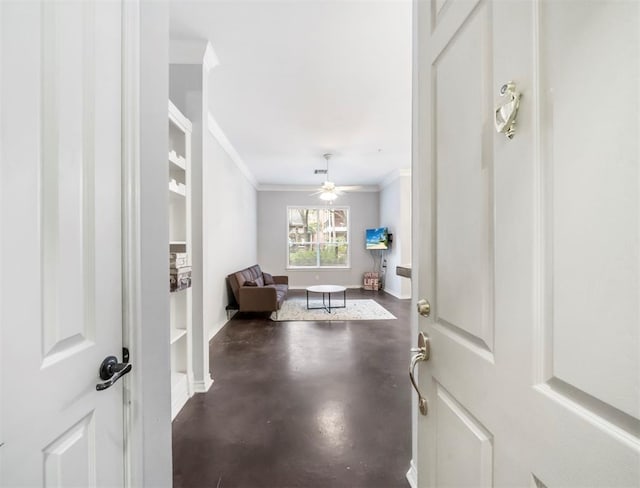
(60, 259)
(530, 251)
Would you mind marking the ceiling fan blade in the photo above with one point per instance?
(350, 188)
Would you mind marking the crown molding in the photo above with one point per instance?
(367, 188)
(393, 176)
(193, 52)
(210, 59)
(219, 135)
(263, 187)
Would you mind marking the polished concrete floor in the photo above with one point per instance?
(301, 404)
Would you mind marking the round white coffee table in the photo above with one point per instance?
(326, 291)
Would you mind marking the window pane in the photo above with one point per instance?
(303, 223)
(334, 254)
(333, 226)
(340, 220)
(317, 237)
(303, 254)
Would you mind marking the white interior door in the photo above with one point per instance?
(61, 242)
(530, 247)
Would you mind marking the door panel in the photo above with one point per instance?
(61, 170)
(70, 460)
(529, 248)
(464, 184)
(438, 7)
(464, 447)
(590, 143)
(68, 193)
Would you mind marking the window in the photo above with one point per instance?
(318, 237)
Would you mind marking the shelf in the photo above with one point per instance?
(178, 246)
(178, 161)
(175, 292)
(177, 334)
(404, 270)
(179, 190)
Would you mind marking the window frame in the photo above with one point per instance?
(317, 266)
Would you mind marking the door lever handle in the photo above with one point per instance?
(423, 353)
(112, 370)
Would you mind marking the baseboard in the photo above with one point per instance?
(212, 333)
(202, 386)
(348, 287)
(179, 395)
(397, 295)
(358, 287)
(412, 475)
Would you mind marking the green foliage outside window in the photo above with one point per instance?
(318, 237)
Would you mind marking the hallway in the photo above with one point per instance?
(302, 404)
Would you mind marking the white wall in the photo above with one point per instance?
(229, 228)
(185, 89)
(395, 213)
(272, 232)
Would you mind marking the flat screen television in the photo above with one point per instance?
(377, 238)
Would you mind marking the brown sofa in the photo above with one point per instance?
(255, 291)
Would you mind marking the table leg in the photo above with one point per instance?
(327, 306)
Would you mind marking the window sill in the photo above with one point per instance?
(316, 268)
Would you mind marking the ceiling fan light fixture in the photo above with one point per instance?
(328, 191)
(328, 196)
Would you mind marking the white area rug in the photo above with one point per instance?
(296, 309)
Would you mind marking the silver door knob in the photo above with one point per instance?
(424, 307)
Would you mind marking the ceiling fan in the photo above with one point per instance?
(328, 190)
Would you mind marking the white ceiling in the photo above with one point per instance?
(299, 78)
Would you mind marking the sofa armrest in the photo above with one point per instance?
(258, 299)
(281, 280)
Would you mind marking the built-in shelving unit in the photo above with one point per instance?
(179, 234)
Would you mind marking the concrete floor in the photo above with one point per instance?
(301, 404)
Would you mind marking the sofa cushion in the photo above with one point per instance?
(255, 282)
(268, 279)
(281, 292)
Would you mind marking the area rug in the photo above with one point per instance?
(296, 309)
